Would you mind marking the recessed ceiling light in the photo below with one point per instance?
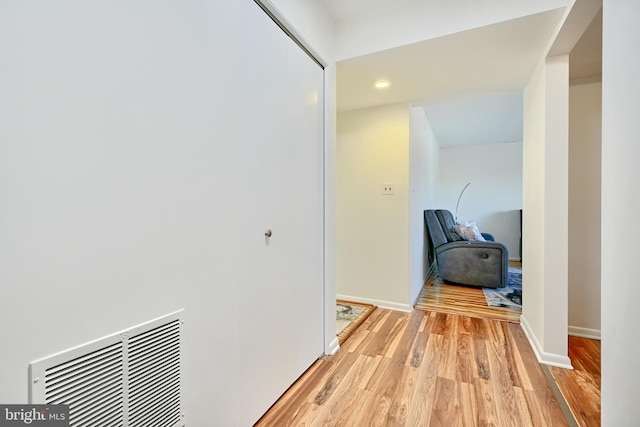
(382, 84)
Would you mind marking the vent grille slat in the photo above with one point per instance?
(100, 416)
(141, 337)
(156, 384)
(132, 378)
(73, 386)
(170, 390)
(151, 368)
(151, 353)
(90, 371)
(154, 377)
(168, 410)
(112, 394)
(152, 345)
(150, 357)
(89, 394)
(84, 362)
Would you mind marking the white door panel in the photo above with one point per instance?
(281, 322)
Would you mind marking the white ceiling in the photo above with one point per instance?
(341, 10)
(489, 119)
(469, 82)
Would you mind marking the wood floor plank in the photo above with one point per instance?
(479, 329)
(535, 409)
(344, 382)
(513, 359)
(402, 397)
(486, 412)
(461, 300)
(444, 405)
(523, 408)
(519, 371)
(419, 346)
(368, 371)
(421, 405)
(465, 356)
(580, 387)
(298, 394)
(397, 334)
(403, 351)
(384, 334)
(448, 367)
(330, 382)
(356, 409)
(423, 369)
(483, 369)
(307, 411)
(502, 385)
(467, 399)
(549, 415)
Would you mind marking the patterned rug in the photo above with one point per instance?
(345, 314)
(349, 315)
(510, 296)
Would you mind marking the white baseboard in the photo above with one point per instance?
(550, 359)
(378, 303)
(577, 331)
(333, 347)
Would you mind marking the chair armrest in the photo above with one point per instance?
(476, 244)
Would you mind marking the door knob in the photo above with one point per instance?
(268, 233)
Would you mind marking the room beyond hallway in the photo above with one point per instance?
(463, 300)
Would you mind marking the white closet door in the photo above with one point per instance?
(281, 322)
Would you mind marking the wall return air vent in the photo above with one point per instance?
(129, 379)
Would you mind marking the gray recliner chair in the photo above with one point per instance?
(474, 263)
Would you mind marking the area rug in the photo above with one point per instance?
(349, 315)
(508, 297)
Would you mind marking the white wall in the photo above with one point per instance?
(620, 207)
(423, 181)
(494, 198)
(121, 171)
(545, 211)
(556, 210)
(533, 236)
(372, 228)
(585, 144)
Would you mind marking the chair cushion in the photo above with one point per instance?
(469, 231)
(436, 233)
(447, 222)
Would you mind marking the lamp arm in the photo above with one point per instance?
(459, 197)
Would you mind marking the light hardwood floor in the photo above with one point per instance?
(463, 300)
(423, 369)
(581, 387)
